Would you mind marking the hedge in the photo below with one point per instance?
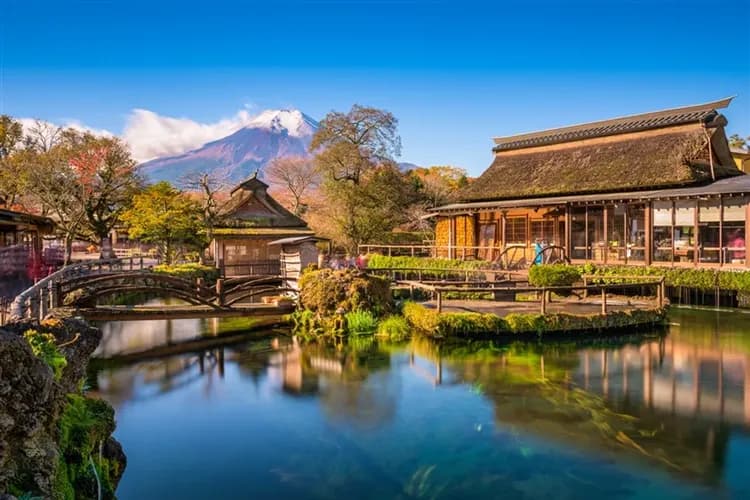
(701, 279)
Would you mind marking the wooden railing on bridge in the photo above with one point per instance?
(36, 300)
(444, 275)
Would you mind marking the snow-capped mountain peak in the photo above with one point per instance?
(295, 122)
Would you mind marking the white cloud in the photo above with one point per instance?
(151, 135)
(31, 123)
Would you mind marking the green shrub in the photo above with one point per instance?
(43, 346)
(327, 291)
(376, 261)
(361, 323)
(84, 425)
(425, 320)
(701, 279)
(394, 328)
(189, 271)
(553, 275)
(432, 323)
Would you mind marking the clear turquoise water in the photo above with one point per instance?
(642, 416)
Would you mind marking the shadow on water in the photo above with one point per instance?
(639, 415)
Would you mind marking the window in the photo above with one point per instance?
(709, 228)
(515, 230)
(543, 229)
(684, 231)
(596, 239)
(733, 231)
(662, 217)
(578, 233)
(616, 234)
(636, 233)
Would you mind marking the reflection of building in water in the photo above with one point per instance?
(674, 376)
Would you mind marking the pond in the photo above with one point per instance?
(203, 412)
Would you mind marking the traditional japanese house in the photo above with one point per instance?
(658, 188)
(251, 220)
(21, 243)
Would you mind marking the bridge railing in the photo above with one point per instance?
(38, 299)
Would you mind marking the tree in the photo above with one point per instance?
(363, 189)
(296, 176)
(82, 181)
(348, 145)
(440, 184)
(735, 141)
(11, 171)
(208, 186)
(108, 179)
(165, 216)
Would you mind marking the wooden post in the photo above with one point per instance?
(661, 292)
(439, 301)
(604, 300)
(199, 285)
(544, 302)
(141, 262)
(42, 303)
(585, 290)
(220, 291)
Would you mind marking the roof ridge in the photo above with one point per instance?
(611, 126)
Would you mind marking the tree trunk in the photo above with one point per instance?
(106, 250)
(68, 256)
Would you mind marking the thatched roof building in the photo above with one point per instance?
(655, 187)
(669, 148)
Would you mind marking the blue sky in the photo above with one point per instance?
(454, 73)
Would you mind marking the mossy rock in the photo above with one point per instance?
(327, 291)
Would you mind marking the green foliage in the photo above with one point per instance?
(394, 328)
(43, 346)
(702, 279)
(327, 291)
(553, 275)
(309, 326)
(361, 323)
(167, 217)
(376, 261)
(84, 425)
(431, 323)
(189, 271)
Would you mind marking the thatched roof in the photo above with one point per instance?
(252, 207)
(651, 151)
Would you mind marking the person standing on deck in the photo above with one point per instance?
(538, 251)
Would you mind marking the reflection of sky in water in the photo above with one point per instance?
(262, 420)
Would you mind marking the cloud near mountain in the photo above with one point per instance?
(151, 135)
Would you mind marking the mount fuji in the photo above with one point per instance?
(271, 134)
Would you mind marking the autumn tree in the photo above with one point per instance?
(166, 217)
(296, 177)
(440, 184)
(83, 182)
(361, 183)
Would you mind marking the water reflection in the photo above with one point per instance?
(618, 416)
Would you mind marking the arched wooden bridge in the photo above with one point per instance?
(84, 287)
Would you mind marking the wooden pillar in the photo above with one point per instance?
(649, 230)
(220, 291)
(439, 301)
(544, 302)
(605, 250)
(604, 300)
(43, 295)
